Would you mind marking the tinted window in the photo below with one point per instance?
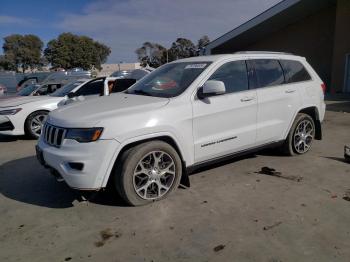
(294, 71)
(234, 75)
(28, 90)
(268, 72)
(66, 89)
(91, 88)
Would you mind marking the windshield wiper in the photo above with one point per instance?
(140, 92)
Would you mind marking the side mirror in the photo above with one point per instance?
(211, 88)
(71, 95)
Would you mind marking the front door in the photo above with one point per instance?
(225, 123)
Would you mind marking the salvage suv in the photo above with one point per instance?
(185, 114)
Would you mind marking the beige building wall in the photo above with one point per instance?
(108, 69)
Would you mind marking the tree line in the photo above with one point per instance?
(155, 55)
(22, 52)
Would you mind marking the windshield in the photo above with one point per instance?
(65, 90)
(28, 90)
(169, 80)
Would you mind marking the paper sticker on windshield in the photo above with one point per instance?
(195, 66)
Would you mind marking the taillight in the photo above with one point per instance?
(323, 86)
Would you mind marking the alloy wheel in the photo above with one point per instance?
(303, 136)
(154, 175)
(37, 123)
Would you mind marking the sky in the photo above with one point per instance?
(124, 25)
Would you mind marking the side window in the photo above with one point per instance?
(234, 75)
(91, 88)
(268, 72)
(294, 71)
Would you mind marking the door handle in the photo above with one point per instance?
(289, 91)
(246, 99)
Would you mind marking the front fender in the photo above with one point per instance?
(186, 156)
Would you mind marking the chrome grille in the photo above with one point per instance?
(53, 135)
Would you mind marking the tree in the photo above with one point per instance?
(21, 51)
(151, 54)
(69, 51)
(181, 48)
(202, 42)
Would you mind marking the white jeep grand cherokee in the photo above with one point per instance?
(184, 114)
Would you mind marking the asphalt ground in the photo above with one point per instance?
(231, 212)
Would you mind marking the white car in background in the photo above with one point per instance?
(25, 115)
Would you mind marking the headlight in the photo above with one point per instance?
(84, 135)
(10, 111)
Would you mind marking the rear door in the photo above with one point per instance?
(277, 102)
(225, 123)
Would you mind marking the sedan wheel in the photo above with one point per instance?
(34, 123)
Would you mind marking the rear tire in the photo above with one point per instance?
(34, 124)
(148, 172)
(301, 136)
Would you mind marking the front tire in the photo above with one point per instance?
(148, 172)
(34, 124)
(301, 135)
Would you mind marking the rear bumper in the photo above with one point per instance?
(83, 166)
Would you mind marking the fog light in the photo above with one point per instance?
(76, 166)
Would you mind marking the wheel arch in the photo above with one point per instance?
(132, 143)
(312, 111)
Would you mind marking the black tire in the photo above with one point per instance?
(124, 173)
(28, 123)
(289, 147)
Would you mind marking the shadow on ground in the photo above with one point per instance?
(24, 180)
(339, 107)
(4, 138)
(339, 159)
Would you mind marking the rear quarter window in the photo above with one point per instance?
(294, 71)
(268, 72)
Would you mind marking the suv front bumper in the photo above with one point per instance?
(83, 166)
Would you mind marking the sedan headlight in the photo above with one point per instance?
(84, 135)
(10, 111)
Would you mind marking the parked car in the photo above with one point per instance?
(121, 74)
(26, 115)
(38, 90)
(185, 114)
(53, 80)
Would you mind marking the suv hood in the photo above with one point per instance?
(13, 101)
(90, 112)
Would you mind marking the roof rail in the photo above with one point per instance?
(262, 52)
